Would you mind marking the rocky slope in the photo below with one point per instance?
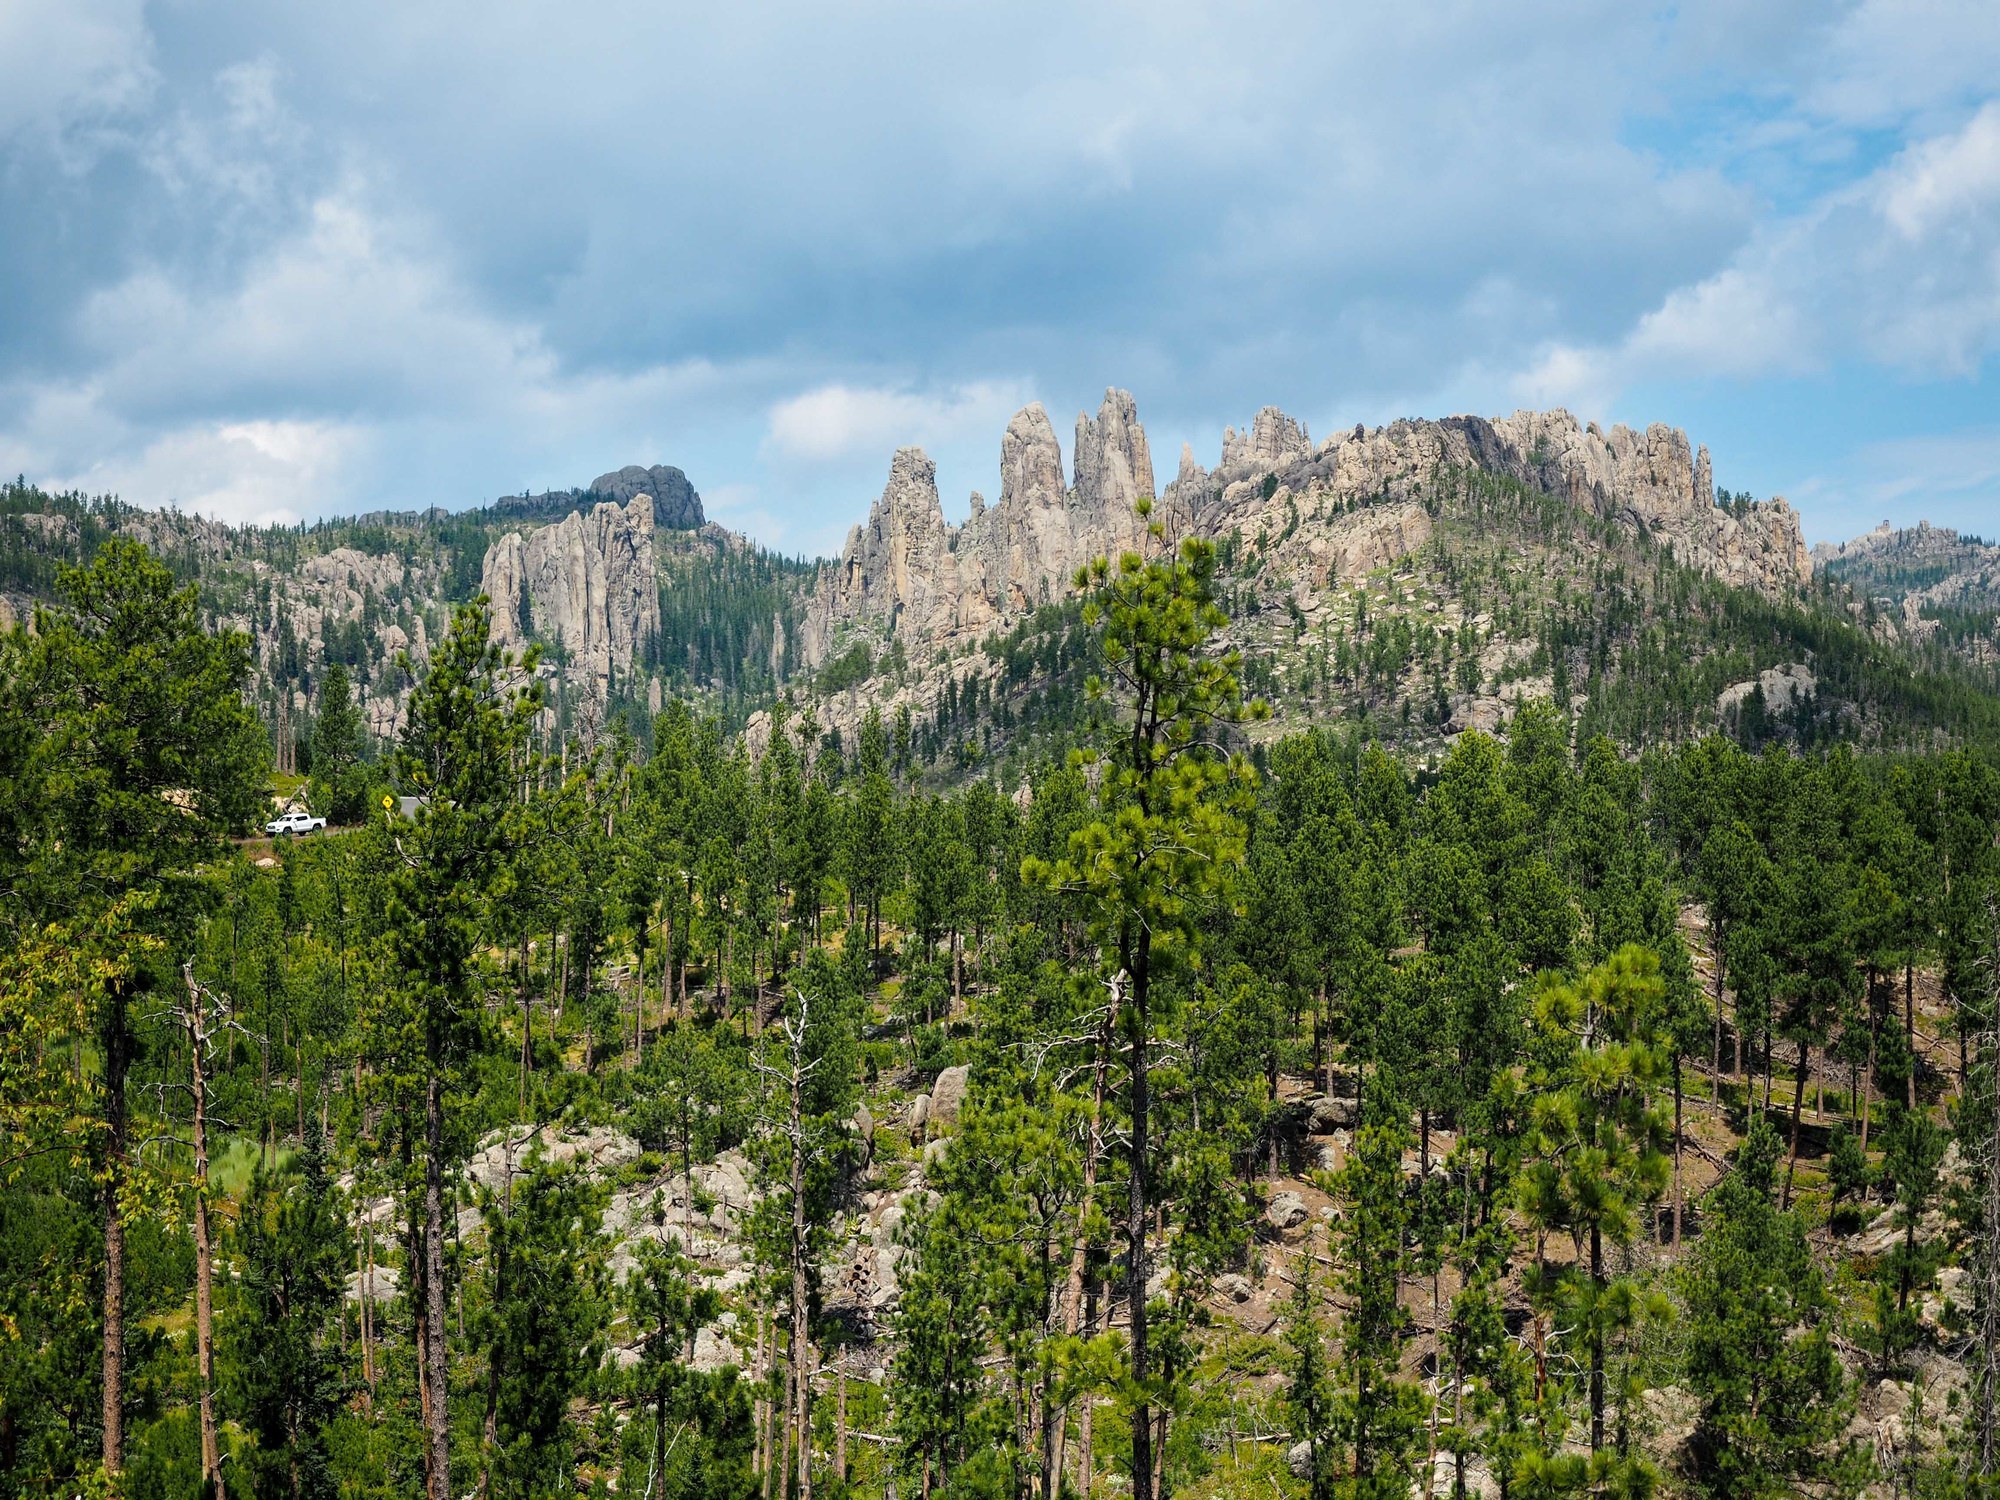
(587, 585)
(578, 571)
(909, 575)
(1307, 524)
(1365, 572)
(1923, 573)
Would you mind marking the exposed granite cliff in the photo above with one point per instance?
(1917, 569)
(910, 574)
(676, 506)
(586, 583)
(1651, 481)
(1344, 507)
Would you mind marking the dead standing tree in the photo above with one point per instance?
(1987, 1385)
(205, 1017)
(791, 1078)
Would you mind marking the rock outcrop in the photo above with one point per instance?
(676, 506)
(1917, 570)
(1114, 468)
(1328, 514)
(1780, 688)
(586, 583)
(1653, 482)
(909, 574)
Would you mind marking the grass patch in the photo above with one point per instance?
(231, 1168)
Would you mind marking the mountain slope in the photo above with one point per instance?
(1422, 578)
(1942, 589)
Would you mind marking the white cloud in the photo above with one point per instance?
(254, 472)
(348, 341)
(1900, 269)
(1949, 477)
(60, 59)
(836, 422)
(1942, 181)
(1881, 61)
(771, 244)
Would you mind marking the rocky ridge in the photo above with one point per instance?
(587, 584)
(676, 506)
(1315, 519)
(1917, 569)
(907, 574)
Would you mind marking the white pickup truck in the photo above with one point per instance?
(294, 822)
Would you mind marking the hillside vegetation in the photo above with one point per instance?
(1229, 1108)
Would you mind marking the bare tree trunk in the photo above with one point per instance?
(438, 1435)
(840, 1419)
(489, 1435)
(802, 1358)
(1715, 958)
(204, 1258)
(264, 1095)
(761, 1459)
(1086, 1454)
(1054, 1434)
(117, 1041)
(1596, 1345)
(1677, 1149)
(1138, 1212)
(420, 1282)
(1910, 1027)
(1798, 1111)
(666, 959)
(1868, 1080)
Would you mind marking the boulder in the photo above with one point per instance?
(948, 1096)
(1331, 1112)
(599, 1150)
(676, 505)
(383, 1285)
(1235, 1287)
(1286, 1211)
(1299, 1460)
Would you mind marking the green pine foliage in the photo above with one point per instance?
(1298, 1117)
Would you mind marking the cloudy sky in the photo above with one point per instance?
(281, 261)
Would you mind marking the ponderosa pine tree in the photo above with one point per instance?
(286, 1381)
(1378, 1415)
(148, 758)
(339, 740)
(1760, 1354)
(1165, 844)
(1310, 1395)
(461, 755)
(667, 1307)
(810, 1088)
(541, 1325)
(1597, 1142)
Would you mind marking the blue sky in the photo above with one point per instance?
(274, 262)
